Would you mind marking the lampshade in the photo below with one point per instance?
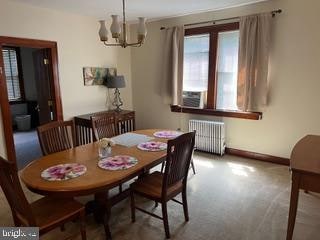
(103, 32)
(116, 82)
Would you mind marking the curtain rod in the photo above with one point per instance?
(274, 12)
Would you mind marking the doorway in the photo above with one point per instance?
(29, 94)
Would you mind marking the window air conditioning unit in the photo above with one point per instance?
(194, 98)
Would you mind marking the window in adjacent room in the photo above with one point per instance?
(211, 66)
(13, 76)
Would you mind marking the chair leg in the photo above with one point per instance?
(156, 204)
(193, 168)
(62, 228)
(83, 226)
(185, 205)
(16, 220)
(133, 207)
(165, 219)
(120, 188)
(162, 166)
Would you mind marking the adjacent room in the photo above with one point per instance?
(137, 119)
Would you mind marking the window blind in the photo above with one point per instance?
(12, 74)
(196, 62)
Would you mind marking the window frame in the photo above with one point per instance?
(20, 75)
(210, 109)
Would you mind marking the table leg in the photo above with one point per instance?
(103, 212)
(99, 203)
(293, 203)
(106, 221)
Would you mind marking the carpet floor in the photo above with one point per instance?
(229, 198)
(27, 147)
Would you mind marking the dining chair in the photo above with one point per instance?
(56, 136)
(162, 187)
(191, 163)
(103, 126)
(46, 213)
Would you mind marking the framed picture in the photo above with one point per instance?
(95, 76)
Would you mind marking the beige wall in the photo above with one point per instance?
(293, 109)
(78, 46)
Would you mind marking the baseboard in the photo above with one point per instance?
(258, 156)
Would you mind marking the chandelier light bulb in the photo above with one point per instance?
(115, 27)
(119, 31)
(142, 29)
(103, 32)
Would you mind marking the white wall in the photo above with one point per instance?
(293, 109)
(78, 46)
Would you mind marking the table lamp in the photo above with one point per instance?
(116, 82)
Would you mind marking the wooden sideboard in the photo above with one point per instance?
(125, 121)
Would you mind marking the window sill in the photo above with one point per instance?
(214, 112)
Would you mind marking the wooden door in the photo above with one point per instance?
(43, 74)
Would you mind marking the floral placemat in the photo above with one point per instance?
(63, 172)
(152, 146)
(167, 134)
(120, 162)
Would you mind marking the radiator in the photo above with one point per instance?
(210, 136)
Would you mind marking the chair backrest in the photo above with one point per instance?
(125, 123)
(56, 136)
(178, 160)
(103, 126)
(11, 187)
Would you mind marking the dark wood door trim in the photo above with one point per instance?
(4, 103)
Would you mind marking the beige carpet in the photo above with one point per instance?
(229, 198)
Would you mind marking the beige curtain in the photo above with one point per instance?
(172, 69)
(254, 45)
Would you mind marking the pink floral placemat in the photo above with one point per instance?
(120, 162)
(152, 146)
(167, 134)
(63, 172)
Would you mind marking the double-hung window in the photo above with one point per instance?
(211, 67)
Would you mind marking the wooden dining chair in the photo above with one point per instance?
(56, 136)
(191, 164)
(162, 187)
(46, 213)
(103, 126)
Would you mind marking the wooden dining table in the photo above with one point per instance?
(95, 181)
(305, 168)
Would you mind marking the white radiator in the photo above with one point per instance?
(210, 136)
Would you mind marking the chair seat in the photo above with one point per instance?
(49, 211)
(151, 185)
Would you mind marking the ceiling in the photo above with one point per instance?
(102, 9)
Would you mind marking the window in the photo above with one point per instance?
(210, 67)
(11, 69)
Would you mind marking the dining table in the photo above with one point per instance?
(305, 169)
(95, 181)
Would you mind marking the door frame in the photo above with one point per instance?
(4, 102)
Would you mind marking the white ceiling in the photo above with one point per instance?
(102, 9)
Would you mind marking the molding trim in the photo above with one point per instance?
(4, 103)
(258, 156)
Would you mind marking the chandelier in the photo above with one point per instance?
(120, 33)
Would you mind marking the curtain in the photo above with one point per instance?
(172, 65)
(254, 47)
